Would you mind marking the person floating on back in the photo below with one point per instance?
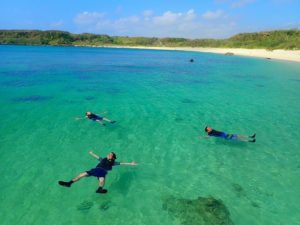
(97, 118)
(214, 133)
(99, 171)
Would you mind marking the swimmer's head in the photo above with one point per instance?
(88, 113)
(207, 129)
(112, 156)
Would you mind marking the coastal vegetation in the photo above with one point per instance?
(278, 39)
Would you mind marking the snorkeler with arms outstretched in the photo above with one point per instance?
(96, 118)
(100, 171)
(237, 137)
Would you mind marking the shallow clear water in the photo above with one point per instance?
(161, 103)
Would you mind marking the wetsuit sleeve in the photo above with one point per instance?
(117, 163)
(100, 158)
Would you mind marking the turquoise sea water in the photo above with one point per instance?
(161, 103)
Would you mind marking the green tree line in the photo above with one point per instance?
(278, 39)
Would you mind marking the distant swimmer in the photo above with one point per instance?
(99, 171)
(236, 137)
(97, 118)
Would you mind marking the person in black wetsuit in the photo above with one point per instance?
(99, 171)
(97, 118)
(214, 133)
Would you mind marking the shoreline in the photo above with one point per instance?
(278, 54)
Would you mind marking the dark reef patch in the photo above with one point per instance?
(255, 205)
(89, 98)
(85, 205)
(32, 98)
(201, 211)
(105, 205)
(178, 119)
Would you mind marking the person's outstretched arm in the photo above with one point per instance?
(128, 163)
(94, 155)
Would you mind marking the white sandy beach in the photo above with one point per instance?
(261, 53)
(290, 55)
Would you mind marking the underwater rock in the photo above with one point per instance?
(85, 205)
(229, 53)
(255, 205)
(105, 205)
(178, 119)
(201, 211)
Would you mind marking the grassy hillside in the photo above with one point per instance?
(279, 39)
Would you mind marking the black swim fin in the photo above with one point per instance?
(253, 136)
(100, 190)
(254, 140)
(113, 121)
(65, 184)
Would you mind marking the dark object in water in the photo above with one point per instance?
(229, 53)
(100, 190)
(178, 119)
(191, 60)
(268, 58)
(89, 98)
(255, 205)
(65, 184)
(85, 205)
(105, 206)
(201, 211)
